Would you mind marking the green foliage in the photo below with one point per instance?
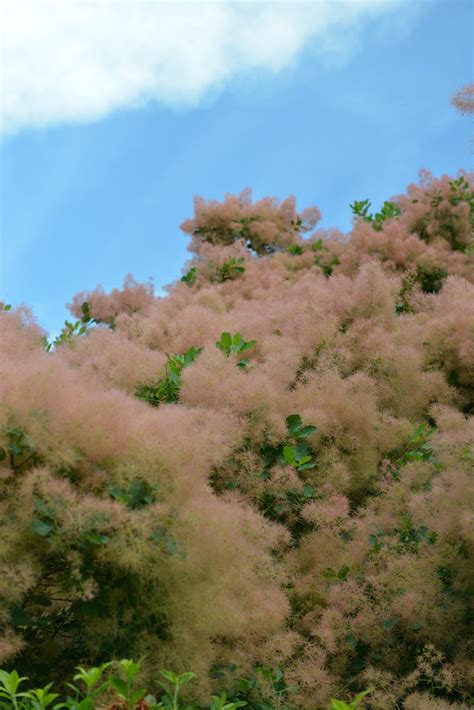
(294, 452)
(295, 427)
(447, 221)
(295, 249)
(219, 229)
(324, 258)
(297, 224)
(264, 689)
(189, 277)
(298, 455)
(430, 277)
(388, 211)
(20, 448)
(418, 448)
(5, 306)
(355, 703)
(408, 283)
(166, 390)
(138, 494)
(219, 702)
(91, 678)
(229, 270)
(125, 686)
(462, 192)
(235, 345)
(409, 534)
(219, 232)
(70, 330)
(172, 689)
(404, 538)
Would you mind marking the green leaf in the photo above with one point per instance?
(119, 685)
(306, 432)
(86, 704)
(130, 667)
(301, 451)
(170, 676)
(91, 676)
(339, 705)
(97, 539)
(185, 678)
(247, 346)
(11, 681)
(42, 528)
(308, 491)
(225, 343)
(294, 423)
(307, 466)
(359, 697)
(137, 695)
(351, 640)
(304, 460)
(289, 455)
(19, 617)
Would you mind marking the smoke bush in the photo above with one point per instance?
(302, 500)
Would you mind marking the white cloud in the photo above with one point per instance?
(65, 61)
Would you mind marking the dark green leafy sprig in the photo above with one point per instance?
(388, 211)
(352, 705)
(324, 258)
(430, 277)
(295, 427)
(229, 270)
(295, 249)
(235, 345)
(72, 329)
(296, 453)
(20, 448)
(189, 277)
(166, 390)
(136, 495)
(461, 192)
(418, 448)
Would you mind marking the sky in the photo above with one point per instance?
(114, 115)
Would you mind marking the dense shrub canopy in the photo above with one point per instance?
(268, 466)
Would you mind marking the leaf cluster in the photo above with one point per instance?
(228, 271)
(389, 211)
(166, 390)
(70, 330)
(117, 684)
(235, 345)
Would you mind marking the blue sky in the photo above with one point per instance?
(341, 113)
